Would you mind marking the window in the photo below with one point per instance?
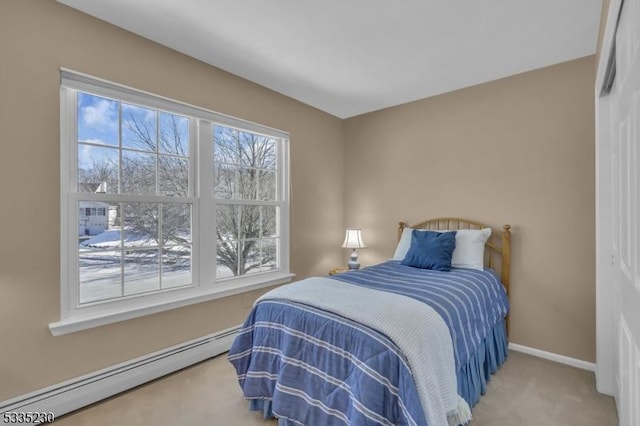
(163, 204)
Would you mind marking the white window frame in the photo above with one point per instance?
(206, 286)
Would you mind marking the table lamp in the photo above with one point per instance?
(353, 240)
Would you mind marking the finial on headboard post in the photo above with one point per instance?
(506, 262)
(401, 226)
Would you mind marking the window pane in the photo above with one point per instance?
(99, 251)
(140, 224)
(267, 190)
(248, 184)
(97, 169)
(174, 134)
(249, 222)
(176, 266)
(250, 259)
(100, 274)
(141, 271)
(269, 221)
(269, 253)
(173, 175)
(99, 224)
(224, 181)
(176, 224)
(227, 217)
(257, 151)
(246, 149)
(97, 119)
(225, 145)
(258, 255)
(227, 258)
(227, 222)
(249, 235)
(269, 159)
(139, 128)
(138, 173)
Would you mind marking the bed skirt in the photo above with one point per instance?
(472, 377)
(490, 355)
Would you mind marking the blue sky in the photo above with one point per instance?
(97, 120)
(98, 123)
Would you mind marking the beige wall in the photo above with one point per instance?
(37, 37)
(518, 150)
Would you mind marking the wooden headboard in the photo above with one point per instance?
(493, 250)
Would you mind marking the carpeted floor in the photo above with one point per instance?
(526, 391)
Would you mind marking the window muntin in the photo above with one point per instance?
(140, 166)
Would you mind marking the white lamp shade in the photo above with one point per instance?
(353, 239)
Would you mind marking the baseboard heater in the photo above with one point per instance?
(81, 391)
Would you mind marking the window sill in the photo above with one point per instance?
(222, 289)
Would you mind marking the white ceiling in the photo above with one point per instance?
(349, 57)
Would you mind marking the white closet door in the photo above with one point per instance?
(625, 207)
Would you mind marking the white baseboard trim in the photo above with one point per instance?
(81, 391)
(573, 362)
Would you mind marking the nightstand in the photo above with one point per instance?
(338, 270)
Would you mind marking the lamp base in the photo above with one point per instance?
(353, 260)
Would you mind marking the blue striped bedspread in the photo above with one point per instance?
(471, 302)
(309, 366)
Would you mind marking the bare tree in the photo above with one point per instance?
(172, 146)
(159, 165)
(245, 164)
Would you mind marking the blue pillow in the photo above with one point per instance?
(431, 250)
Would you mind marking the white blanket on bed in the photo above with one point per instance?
(401, 318)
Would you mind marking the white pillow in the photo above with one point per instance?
(469, 252)
(403, 244)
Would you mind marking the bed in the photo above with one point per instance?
(391, 344)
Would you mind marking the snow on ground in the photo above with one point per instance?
(101, 269)
(111, 239)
